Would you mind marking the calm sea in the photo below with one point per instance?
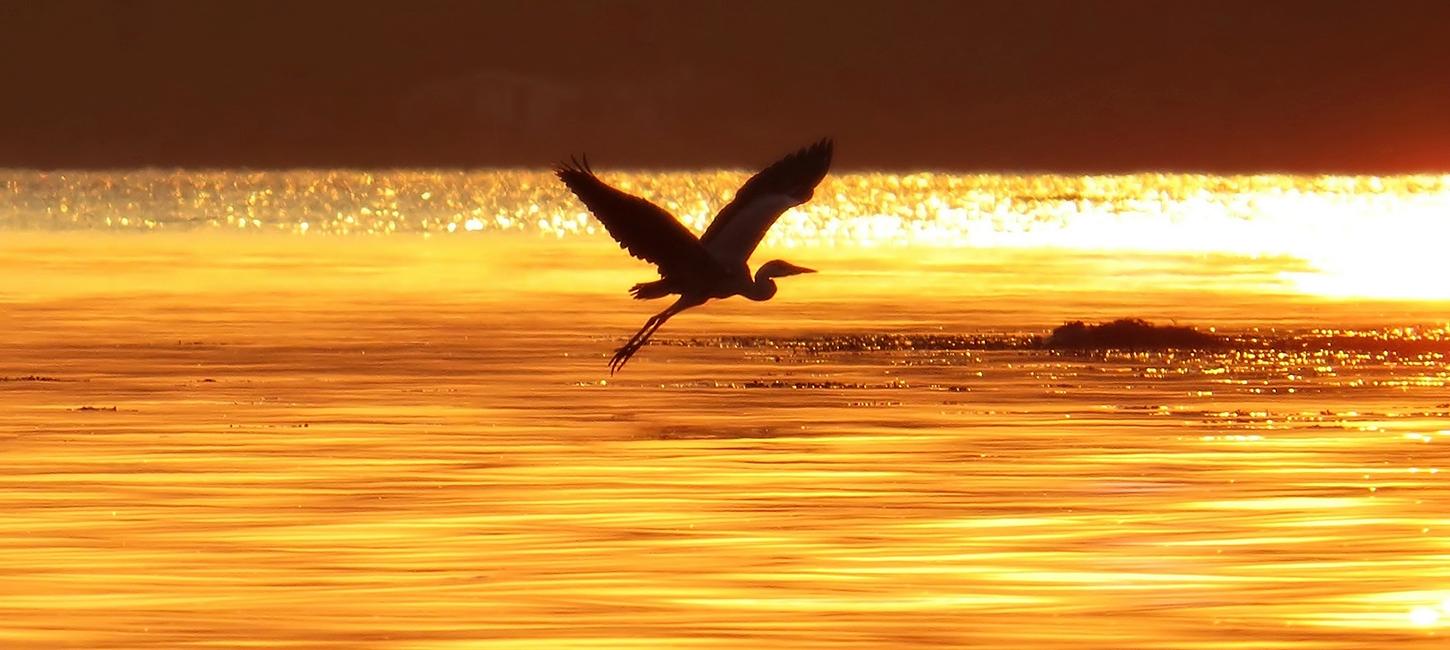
(337, 409)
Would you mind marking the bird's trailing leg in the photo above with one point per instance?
(640, 338)
(624, 352)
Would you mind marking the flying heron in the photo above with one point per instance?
(712, 266)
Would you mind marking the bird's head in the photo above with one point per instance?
(780, 269)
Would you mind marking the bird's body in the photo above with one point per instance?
(715, 265)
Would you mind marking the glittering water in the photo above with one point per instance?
(1355, 235)
(218, 439)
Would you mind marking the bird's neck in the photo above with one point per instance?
(761, 288)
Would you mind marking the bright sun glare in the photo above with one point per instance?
(1395, 253)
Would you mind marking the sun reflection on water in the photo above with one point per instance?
(1358, 235)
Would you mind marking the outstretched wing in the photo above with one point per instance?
(741, 224)
(642, 228)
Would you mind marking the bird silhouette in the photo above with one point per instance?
(715, 265)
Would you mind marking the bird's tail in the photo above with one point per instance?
(649, 290)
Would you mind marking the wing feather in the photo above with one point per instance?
(741, 224)
(642, 228)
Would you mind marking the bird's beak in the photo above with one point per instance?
(794, 270)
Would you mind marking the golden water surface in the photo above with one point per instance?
(228, 441)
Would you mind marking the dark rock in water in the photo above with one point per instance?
(1130, 334)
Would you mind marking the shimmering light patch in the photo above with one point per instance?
(1328, 235)
(860, 604)
(1424, 616)
(1286, 503)
(1385, 253)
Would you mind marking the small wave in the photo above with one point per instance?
(781, 384)
(822, 343)
(1392, 341)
